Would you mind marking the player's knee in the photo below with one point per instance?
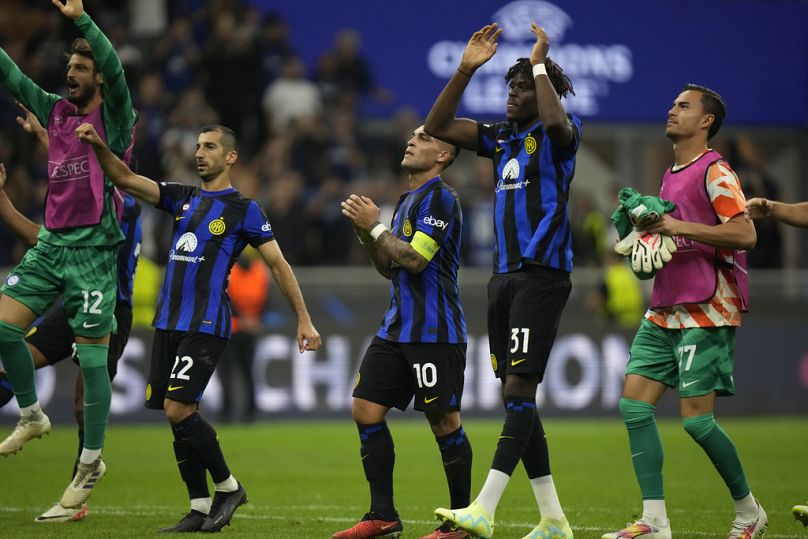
(177, 411)
(366, 412)
(443, 422)
(10, 333)
(518, 386)
(636, 413)
(699, 427)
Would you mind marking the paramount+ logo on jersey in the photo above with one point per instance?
(186, 244)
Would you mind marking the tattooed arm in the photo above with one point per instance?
(386, 249)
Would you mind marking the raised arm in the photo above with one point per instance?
(284, 277)
(551, 111)
(141, 187)
(441, 122)
(25, 90)
(383, 247)
(790, 214)
(25, 229)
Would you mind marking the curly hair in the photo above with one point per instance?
(561, 82)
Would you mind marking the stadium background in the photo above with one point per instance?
(352, 84)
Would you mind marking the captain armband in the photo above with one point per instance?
(424, 245)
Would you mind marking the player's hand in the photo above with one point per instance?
(362, 212)
(667, 225)
(3, 176)
(72, 9)
(87, 133)
(539, 53)
(646, 255)
(481, 47)
(757, 208)
(307, 337)
(30, 124)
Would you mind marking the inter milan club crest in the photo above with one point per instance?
(217, 226)
(530, 144)
(407, 228)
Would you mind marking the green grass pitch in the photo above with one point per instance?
(304, 479)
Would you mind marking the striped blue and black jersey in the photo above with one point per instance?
(425, 307)
(531, 194)
(211, 228)
(129, 250)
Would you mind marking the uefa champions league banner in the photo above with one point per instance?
(627, 59)
(584, 376)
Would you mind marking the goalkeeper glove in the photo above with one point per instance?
(646, 255)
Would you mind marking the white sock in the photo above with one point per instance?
(547, 497)
(492, 491)
(228, 485)
(27, 411)
(88, 456)
(654, 512)
(201, 504)
(746, 508)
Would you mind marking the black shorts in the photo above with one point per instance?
(182, 363)
(391, 373)
(52, 335)
(524, 309)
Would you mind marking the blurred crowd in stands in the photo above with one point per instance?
(304, 144)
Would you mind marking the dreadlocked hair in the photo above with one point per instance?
(561, 82)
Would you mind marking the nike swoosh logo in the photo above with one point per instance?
(688, 383)
(427, 401)
(88, 404)
(179, 217)
(388, 526)
(637, 454)
(515, 362)
(498, 149)
(174, 388)
(88, 326)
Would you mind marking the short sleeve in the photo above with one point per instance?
(486, 139)
(724, 189)
(172, 196)
(437, 215)
(577, 131)
(256, 225)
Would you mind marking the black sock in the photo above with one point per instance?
(6, 393)
(519, 414)
(192, 470)
(536, 457)
(202, 439)
(378, 458)
(78, 455)
(455, 452)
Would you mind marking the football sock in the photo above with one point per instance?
(78, 455)
(201, 504)
(201, 436)
(646, 446)
(88, 456)
(192, 472)
(97, 392)
(536, 460)
(455, 450)
(746, 509)
(719, 447)
(378, 458)
(519, 414)
(492, 491)
(228, 485)
(6, 393)
(536, 457)
(654, 512)
(546, 497)
(18, 362)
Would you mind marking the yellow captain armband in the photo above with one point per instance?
(424, 245)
